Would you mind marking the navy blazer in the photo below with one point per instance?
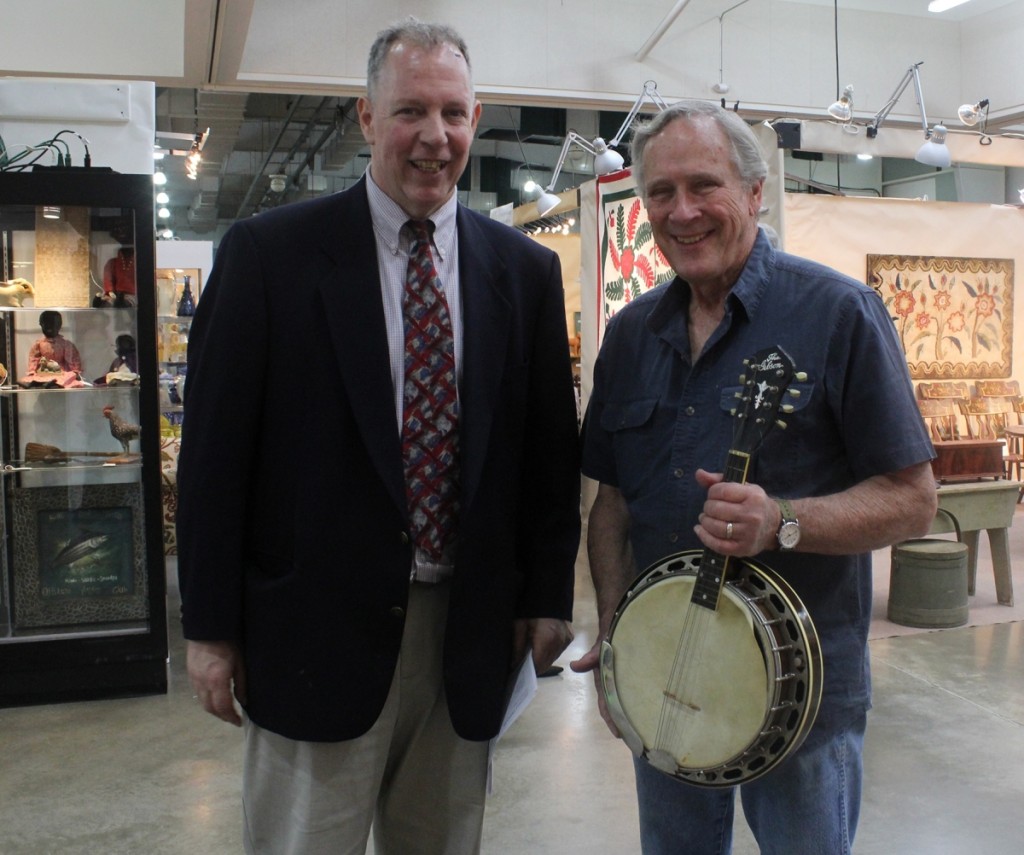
(293, 531)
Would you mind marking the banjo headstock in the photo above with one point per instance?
(765, 383)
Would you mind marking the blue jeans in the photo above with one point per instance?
(808, 805)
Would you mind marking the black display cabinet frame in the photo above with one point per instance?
(83, 606)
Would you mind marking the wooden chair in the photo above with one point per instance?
(1013, 458)
(954, 389)
(997, 388)
(986, 417)
(942, 418)
(952, 392)
(1004, 390)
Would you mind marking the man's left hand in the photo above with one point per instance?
(545, 637)
(738, 519)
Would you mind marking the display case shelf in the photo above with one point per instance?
(82, 579)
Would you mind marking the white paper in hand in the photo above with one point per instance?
(523, 686)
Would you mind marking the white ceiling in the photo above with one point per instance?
(917, 7)
(273, 78)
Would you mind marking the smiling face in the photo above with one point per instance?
(420, 125)
(704, 215)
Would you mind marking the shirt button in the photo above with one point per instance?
(397, 612)
(690, 411)
(672, 538)
(678, 473)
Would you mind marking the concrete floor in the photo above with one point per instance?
(153, 775)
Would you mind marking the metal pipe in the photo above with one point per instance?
(662, 27)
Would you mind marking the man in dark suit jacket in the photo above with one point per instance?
(368, 696)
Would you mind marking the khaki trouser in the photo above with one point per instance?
(410, 776)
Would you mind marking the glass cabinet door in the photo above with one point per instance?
(80, 574)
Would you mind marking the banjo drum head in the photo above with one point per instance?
(693, 683)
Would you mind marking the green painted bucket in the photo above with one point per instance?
(928, 582)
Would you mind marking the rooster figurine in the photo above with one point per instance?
(124, 432)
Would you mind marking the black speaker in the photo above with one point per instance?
(788, 134)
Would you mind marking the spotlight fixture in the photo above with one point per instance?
(51, 212)
(971, 114)
(195, 156)
(843, 108)
(278, 182)
(610, 161)
(606, 160)
(934, 151)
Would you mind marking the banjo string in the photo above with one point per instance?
(677, 709)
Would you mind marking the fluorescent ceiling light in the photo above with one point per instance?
(943, 5)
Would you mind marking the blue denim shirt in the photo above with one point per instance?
(655, 417)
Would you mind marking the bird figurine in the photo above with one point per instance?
(124, 432)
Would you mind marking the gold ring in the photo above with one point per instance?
(728, 531)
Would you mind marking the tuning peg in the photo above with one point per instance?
(787, 408)
(794, 393)
(800, 376)
(781, 424)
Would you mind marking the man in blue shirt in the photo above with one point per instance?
(849, 474)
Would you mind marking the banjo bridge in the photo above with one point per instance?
(678, 700)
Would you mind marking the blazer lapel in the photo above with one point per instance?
(355, 318)
(486, 318)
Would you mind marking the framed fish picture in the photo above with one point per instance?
(78, 555)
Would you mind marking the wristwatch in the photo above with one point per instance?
(789, 529)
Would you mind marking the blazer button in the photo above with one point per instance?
(397, 612)
(403, 538)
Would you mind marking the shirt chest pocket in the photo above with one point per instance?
(641, 445)
(797, 397)
(628, 415)
(781, 453)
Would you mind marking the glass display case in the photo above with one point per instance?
(82, 579)
(177, 293)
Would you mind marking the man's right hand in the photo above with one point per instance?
(590, 661)
(214, 669)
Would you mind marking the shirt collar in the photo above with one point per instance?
(745, 294)
(388, 219)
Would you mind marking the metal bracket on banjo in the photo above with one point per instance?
(611, 696)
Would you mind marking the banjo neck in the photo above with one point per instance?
(714, 567)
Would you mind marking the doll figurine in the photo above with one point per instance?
(119, 279)
(124, 369)
(52, 359)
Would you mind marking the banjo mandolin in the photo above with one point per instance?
(712, 669)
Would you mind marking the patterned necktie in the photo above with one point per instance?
(430, 415)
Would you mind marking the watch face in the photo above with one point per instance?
(789, 535)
